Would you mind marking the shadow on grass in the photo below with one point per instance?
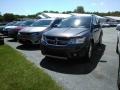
(76, 66)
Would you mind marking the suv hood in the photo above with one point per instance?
(33, 29)
(66, 32)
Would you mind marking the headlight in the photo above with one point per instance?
(43, 38)
(77, 40)
(3, 29)
(18, 33)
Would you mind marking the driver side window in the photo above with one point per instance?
(56, 22)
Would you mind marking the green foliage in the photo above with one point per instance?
(17, 73)
(8, 17)
(79, 9)
(53, 11)
(1, 18)
(32, 16)
(45, 11)
(67, 12)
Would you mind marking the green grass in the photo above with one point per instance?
(17, 73)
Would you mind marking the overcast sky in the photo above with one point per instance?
(25, 7)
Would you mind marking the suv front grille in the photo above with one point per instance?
(56, 40)
(25, 33)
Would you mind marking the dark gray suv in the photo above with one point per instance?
(75, 37)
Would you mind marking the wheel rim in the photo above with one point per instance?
(100, 40)
(90, 51)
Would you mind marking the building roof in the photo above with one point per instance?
(41, 16)
(47, 19)
(55, 15)
(78, 14)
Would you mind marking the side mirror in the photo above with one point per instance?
(96, 26)
(118, 27)
(55, 25)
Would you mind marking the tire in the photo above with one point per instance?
(89, 52)
(117, 49)
(100, 39)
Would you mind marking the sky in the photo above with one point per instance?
(27, 7)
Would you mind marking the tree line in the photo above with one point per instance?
(8, 17)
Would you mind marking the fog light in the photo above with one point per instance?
(75, 54)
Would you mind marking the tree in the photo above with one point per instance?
(32, 16)
(8, 17)
(45, 11)
(79, 9)
(53, 11)
(1, 18)
(67, 12)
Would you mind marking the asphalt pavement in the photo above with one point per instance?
(100, 74)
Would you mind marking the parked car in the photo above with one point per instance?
(33, 34)
(105, 25)
(8, 27)
(19, 26)
(113, 23)
(2, 25)
(118, 51)
(75, 37)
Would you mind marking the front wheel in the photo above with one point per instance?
(100, 40)
(89, 52)
(117, 47)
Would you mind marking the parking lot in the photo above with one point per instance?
(100, 74)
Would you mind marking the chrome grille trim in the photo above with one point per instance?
(57, 41)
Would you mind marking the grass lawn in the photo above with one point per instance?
(17, 73)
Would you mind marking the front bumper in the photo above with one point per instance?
(12, 34)
(29, 39)
(5, 33)
(64, 52)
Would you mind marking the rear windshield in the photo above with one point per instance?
(42, 23)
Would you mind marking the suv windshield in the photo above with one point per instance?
(76, 22)
(11, 23)
(42, 23)
(19, 23)
(27, 23)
